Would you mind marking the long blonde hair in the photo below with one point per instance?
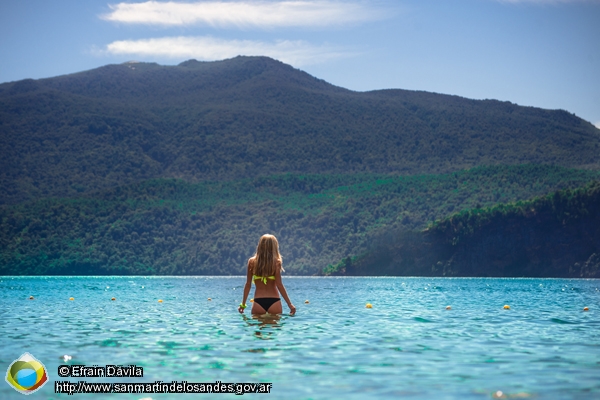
(267, 257)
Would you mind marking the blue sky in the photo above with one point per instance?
(542, 53)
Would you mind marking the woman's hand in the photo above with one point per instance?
(292, 309)
(241, 309)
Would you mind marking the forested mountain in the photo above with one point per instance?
(254, 116)
(557, 235)
(172, 227)
(146, 169)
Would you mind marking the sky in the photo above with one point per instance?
(541, 53)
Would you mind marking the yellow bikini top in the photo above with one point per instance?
(263, 278)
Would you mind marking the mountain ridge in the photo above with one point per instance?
(253, 116)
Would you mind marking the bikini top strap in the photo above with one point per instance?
(263, 278)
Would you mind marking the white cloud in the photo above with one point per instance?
(206, 48)
(241, 14)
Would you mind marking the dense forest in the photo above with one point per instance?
(168, 226)
(140, 168)
(557, 235)
(254, 116)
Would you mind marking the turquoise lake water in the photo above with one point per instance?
(406, 346)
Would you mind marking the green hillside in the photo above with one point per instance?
(167, 226)
(253, 116)
(557, 235)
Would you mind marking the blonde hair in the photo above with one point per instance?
(267, 257)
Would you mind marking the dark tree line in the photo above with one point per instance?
(557, 235)
(169, 226)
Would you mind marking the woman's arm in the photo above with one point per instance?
(247, 286)
(282, 290)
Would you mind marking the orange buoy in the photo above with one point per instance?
(369, 305)
(506, 307)
(113, 299)
(160, 300)
(251, 300)
(448, 308)
(209, 299)
(71, 298)
(586, 309)
(306, 302)
(30, 297)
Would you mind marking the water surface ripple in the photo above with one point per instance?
(408, 345)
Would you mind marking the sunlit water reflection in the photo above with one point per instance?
(408, 345)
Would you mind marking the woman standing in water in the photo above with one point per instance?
(264, 269)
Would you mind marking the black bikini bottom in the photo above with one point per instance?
(266, 302)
